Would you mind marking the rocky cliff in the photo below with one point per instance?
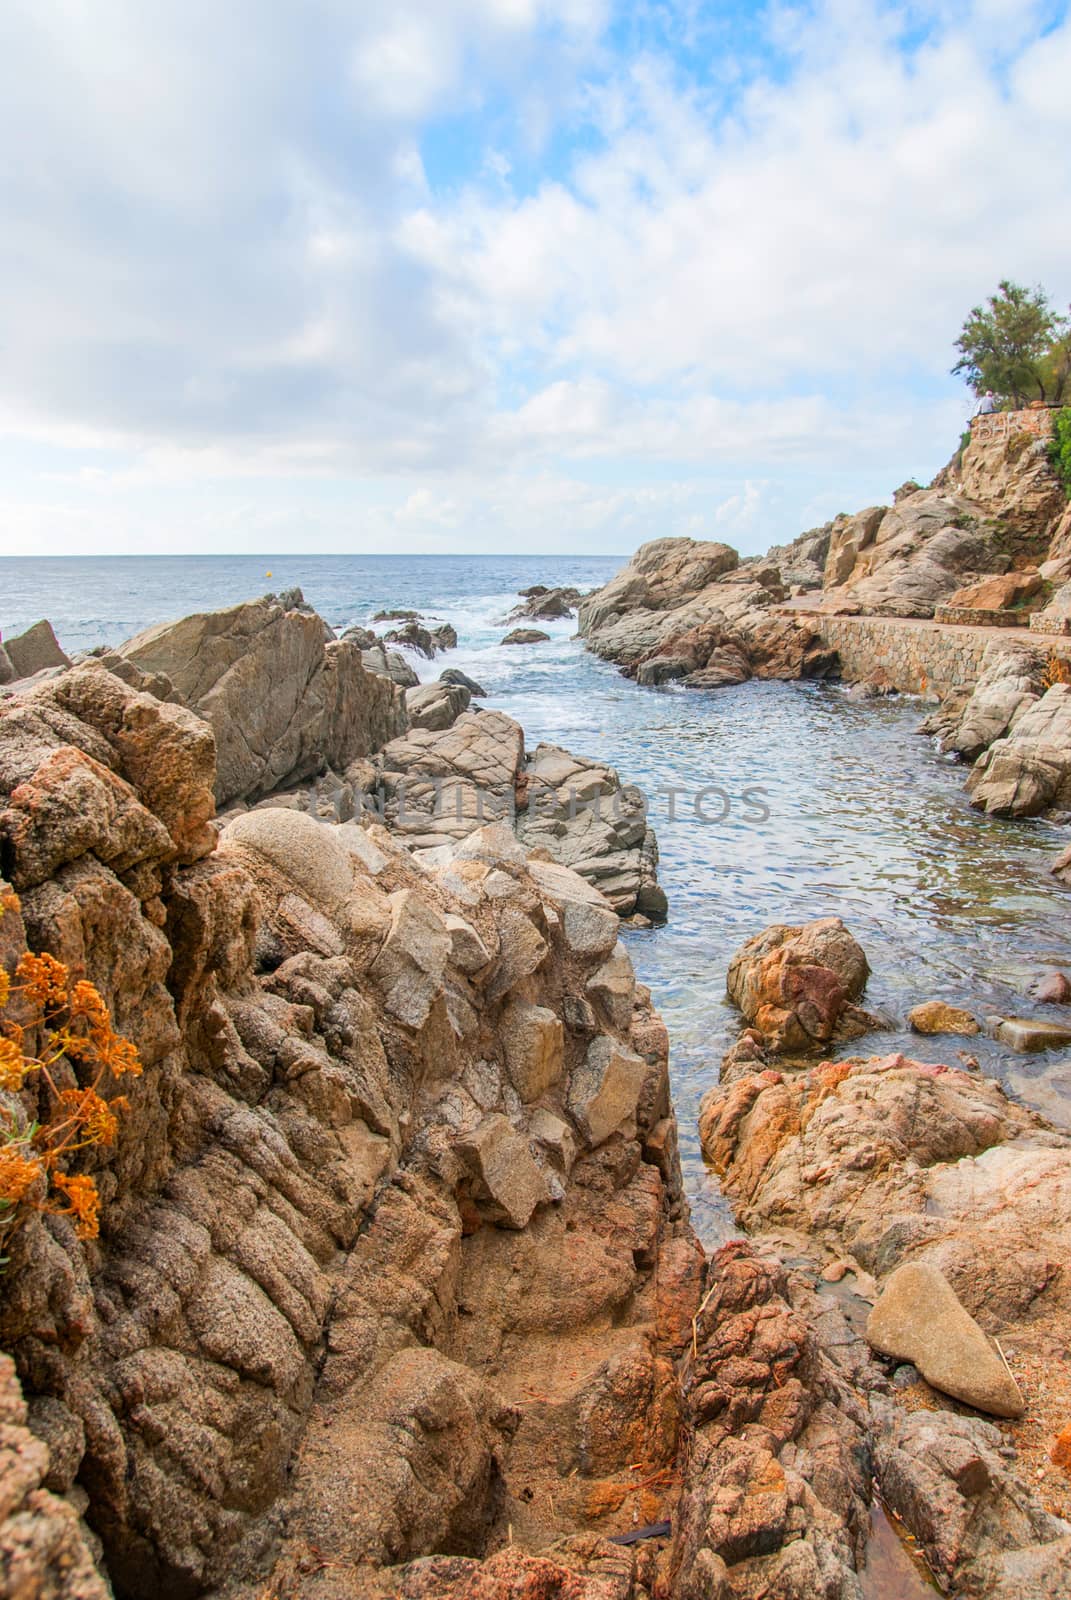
(392, 1260)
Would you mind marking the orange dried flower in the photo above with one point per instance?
(43, 980)
(94, 1117)
(18, 1172)
(83, 1202)
(9, 901)
(5, 987)
(13, 1066)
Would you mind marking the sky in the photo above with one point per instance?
(503, 275)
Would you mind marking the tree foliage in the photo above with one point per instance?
(1018, 345)
(1060, 447)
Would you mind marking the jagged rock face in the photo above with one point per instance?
(436, 786)
(904, 560)
(1008, 684)
(1012, 479)
(886, 1158)
(1028, 770)
(777, 1470)
(659, 577)
(402, 1134)
(282, 696)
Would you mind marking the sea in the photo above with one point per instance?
(772, 802)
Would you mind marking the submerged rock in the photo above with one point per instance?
(936, 1017)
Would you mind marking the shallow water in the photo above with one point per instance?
(864, 820)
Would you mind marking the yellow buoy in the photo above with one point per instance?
(267, 574)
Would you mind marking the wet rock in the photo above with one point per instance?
(918, 1318)
(936, 1017)
(1054, 989)
(526, 636)
(455, 675)
(1028, 1033)
(795, 983)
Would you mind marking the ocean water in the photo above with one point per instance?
(811, 804)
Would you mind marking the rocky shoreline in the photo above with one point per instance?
(395, 1291)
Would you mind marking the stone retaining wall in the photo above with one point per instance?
(916, 657)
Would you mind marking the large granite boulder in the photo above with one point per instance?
(1010, 681)
(35, 651)
(659, 577)
(1029, 770)
(283, 697)
(794, 984)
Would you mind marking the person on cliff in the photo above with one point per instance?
(986, 405)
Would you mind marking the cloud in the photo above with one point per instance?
(639, 269)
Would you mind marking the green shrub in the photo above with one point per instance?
(1060, 447)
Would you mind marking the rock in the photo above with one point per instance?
(409, 968)
(887, 1160)
(1003, 592)
(1008, 684)
(7, 671)
(467, 949)
(363, 638)
(526, 636)
(548, 605)
(611, 989)
(34, 651)
(1060, 1454)
(1011, 480)
(1028, 1033)
(1029, 770)
(660, 575)
(918, 1318)
(532, 1041)
(281, 1339)
(554, 1138)
(43, 1547)
(436, 705)
(456, 676)
(1054, 988)
(507, 1183)
(282, 700)
(795, 983)
(581, 814)
(390, 664)
(605, 1091)
(413, 636)
(934, 1017)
